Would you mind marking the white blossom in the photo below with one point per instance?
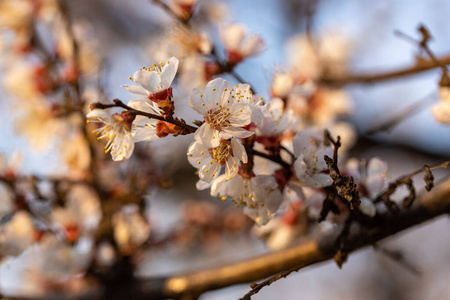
(225, 113)
(81, 214)
(117, 131)
(260, 195)
(371, 180)
(154, 80)
(282, 84)
(275, 120)
(210, 160)
(310, 166)
(441, 111)
(240, 44)
(16, 234)
(130, 228)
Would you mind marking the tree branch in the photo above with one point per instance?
(369, 78)
(426, 207)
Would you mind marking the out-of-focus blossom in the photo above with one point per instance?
(19, 15)
(212, 12)
(284, 229)
(75, 152)
(6, 200)
(240, 44)
(282, 84)
(371, 180)
(441, 111)
(225, 114)
(25, 82)
(183, 8)
(9, 166)
(130, 229)
(181, 42)
(16, 234)
(209, 160)
(106, 255)
(117, 131)
(81, 214)
(310, 60)
(321, 107)
(310, 167)
(87, 60)
(260, 195)
(37, 122)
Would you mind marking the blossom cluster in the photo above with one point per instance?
(238, 144)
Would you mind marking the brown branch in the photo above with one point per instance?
(169, 119)
(369, 78)
(408, 182)
(428, 206)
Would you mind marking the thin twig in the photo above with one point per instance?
(168, 119)
(399, 258)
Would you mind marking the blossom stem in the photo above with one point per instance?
(276, 159)
(168, 119)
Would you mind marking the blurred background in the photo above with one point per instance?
(126, 34)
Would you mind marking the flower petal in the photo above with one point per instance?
(197, 102)
(236, 132)
(217, 92)
(149, 80)
(239, 150)
(145, 105)
(136, 89)
(100, 114)
(168, 72)
(207, 136)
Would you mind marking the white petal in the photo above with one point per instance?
(239, 150)
(367, 207)
(217, 184)
(197, 153)
(168, 72)
(202, 185)
(145, 105)
(217, 92)
(207, 136)
(240, 115)
(145, 134)
(232, 36)
(197, 102)
(136, 89)
(236, 132)
(208, 171)
(149, 80)
(321, 180)
(256, 113)
(252, 45)
(100, 114)
(231, 167)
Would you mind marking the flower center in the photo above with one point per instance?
(218, 118)
(221, 152)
